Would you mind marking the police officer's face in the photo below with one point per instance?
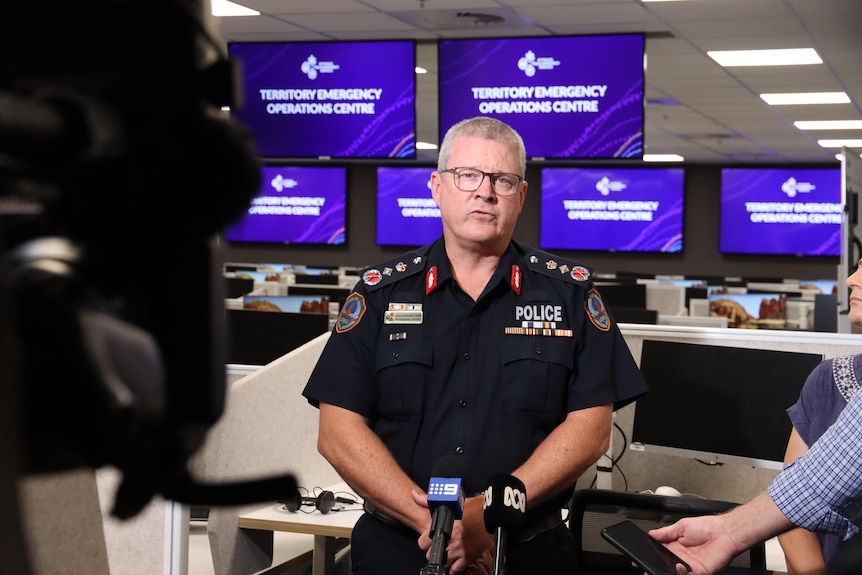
(481, 217)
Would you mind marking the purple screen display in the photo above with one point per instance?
(406, 213)
(296, 205)
(568, 97)
(329, 99)
(781, 211)
(612, 209)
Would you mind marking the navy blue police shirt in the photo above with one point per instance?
(439, 374)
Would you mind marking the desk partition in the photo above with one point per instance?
(729, 482)
(267, 429)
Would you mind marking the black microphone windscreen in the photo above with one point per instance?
(505, 503)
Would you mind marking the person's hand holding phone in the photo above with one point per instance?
(646, 552)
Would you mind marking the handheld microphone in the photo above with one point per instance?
(505, 509)
(446, 503)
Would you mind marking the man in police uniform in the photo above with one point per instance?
(475, 346)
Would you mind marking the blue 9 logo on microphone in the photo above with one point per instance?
(442, 488)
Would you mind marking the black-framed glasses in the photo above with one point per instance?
(470, 179)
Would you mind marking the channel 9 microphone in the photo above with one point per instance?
(505, 509)
(446, 504)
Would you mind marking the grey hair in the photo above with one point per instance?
(488, 129)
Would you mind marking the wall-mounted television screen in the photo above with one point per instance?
(781, 211)
(329, 99)
(612, 209)
(730, 401)
(406, 213)
(568, 96)
(296, 205)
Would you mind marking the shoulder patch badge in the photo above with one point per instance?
(596, 311)
(351, 312)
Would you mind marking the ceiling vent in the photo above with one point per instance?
(448, 20)
(479, 18)
(663, 101)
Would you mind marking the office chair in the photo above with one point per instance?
(592, 509)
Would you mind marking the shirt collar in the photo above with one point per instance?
(504, 273)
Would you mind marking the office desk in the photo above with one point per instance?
(327, 529)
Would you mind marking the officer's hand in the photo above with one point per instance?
(471, 544)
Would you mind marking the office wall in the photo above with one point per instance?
(699, 256)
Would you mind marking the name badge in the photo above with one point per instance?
(402, 317)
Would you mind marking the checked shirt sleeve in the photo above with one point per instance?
(816, 490)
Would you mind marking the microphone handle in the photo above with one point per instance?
(499, 551)
(441, 531)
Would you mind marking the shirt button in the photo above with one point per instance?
(538, 351)
(462, 403)
(395, 354)
(459, 450)
(466, 356)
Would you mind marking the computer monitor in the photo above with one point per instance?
(316, 279)
(718, 403)
(826, 312)
(696, 292)
(335, 294)
(259, 337)
(634, 315)
(630, 295)
(236, 287)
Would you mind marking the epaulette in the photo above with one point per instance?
(391, 271)
(552, 265)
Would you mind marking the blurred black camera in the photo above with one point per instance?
(118, 169)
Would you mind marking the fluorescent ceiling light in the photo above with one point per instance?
(792, 99)
(840, 143)
(228, 8)
(663, 157)
(425, 146)
(788, 57)
(829, 125)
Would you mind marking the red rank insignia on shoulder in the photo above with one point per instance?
(515, 280)
(431, 280)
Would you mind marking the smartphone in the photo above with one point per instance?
(650, 555)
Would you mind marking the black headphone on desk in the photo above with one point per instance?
(324, 502)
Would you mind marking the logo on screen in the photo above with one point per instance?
(280, 183)
(606, 186)
(311, 67)
(791, 187)
(529, 63)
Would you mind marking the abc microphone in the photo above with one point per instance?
(505, 509)
(446, 504)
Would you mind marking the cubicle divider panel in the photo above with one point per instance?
(730, 481)
(268, 428)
